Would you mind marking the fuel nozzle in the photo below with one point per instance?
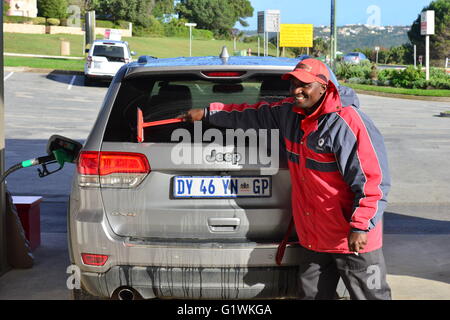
(59, 150)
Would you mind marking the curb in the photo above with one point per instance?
(9, 54)
(403, 96)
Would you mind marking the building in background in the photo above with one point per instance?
(23, 8)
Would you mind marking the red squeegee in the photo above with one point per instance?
(141, 124)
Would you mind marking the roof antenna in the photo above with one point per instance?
(224, 55)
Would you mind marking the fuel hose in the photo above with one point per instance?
(26, 164)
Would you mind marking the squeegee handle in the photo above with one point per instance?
(161, 122)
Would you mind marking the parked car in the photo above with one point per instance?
(142, 225)
(354, 57)
(303, 57)
(105, 58)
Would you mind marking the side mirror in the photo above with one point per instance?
(86, 50)
(133, 53)
(64, 149)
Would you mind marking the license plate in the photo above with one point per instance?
(222, 187)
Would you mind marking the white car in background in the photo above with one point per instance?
(105, 58)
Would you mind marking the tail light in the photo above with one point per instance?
(89, 61)
(97, 260)
(223, 74)
(112, 169)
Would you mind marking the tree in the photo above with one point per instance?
(85, 5)
(52, 8)
(440, 42)
(320, 47)
(216, 15)
(136, 11)
(242, 9)
(5, 7)
(163, 7)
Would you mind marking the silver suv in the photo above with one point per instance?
(154, 215)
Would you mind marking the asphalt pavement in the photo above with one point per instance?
(416, 224)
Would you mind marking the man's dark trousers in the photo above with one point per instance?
(364, 275)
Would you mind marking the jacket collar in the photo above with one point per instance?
(331, 103)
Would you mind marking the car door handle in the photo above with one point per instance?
(223, 224)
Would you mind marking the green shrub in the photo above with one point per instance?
(348, 71)
(386, 74)
(39, 20)
(415, 78)
(53, 22)
(176, 28)
(436, 73)
(201, 34)
(250, 39)
(122, 24)
(408, 78)
(439, 83)
(154, 28)
(105, 24)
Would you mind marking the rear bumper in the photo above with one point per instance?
(99, 76)
(176, 268)
(195, 282)
(97, 238)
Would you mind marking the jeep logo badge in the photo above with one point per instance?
(215, 156)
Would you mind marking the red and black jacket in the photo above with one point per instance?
(338, 166)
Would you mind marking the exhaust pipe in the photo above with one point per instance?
(126, 294)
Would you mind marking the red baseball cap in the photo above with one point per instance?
(309, 70)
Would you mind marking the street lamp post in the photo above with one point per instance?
(190, 25)
(427, 28)
(333, 33)
(377, 49)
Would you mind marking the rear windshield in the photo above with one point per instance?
(165, 98)
(109, 51)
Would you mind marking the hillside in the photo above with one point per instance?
(363, 36)
(351, 37)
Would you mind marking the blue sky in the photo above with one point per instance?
(317, 12)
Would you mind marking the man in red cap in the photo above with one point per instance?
(340, 181)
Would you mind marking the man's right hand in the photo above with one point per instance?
(192, 115)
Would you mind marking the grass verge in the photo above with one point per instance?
(49, 44)
(391, 90)
(44, 63)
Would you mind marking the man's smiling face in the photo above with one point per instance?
(307, 95)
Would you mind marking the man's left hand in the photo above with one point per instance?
(357, 241)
